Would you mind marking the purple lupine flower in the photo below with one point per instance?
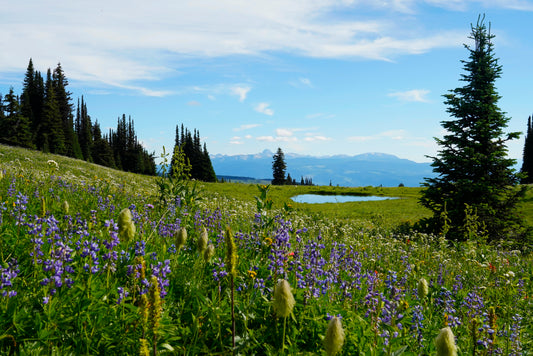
(122, 293)
(7, 275)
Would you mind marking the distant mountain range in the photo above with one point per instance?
(369, 169)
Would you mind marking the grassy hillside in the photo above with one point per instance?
(92, 261)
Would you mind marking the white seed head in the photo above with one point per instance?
(283, 299)
(334, 337)
(445, 343)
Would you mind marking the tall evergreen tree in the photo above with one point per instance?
(51, 135)
(63, 97)
(84, 130)
(473, 170)
(278, 168)
(527, 163)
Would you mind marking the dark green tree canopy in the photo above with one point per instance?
(188, 151)
(473, 168)
(278, 168)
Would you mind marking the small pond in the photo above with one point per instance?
(319, 198)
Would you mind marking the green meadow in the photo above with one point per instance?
(95, 261)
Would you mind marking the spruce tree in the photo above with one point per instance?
(278, 168)
(527, 163)
(475, 179)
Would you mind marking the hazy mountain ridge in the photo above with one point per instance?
(359, 170)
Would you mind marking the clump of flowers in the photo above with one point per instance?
(209, 253)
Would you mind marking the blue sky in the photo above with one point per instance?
(318, 77)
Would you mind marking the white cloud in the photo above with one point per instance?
(415, 95)
(317, 138)
(263, 108)
(241, 92)
(246, 127)
(194, 103)
(284, 132)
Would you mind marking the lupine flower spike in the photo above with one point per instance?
(334, 337)
(126, 228)
(445, 343)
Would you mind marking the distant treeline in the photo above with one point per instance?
(195, 154)
(42, 117)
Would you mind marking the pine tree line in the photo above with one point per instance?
(42, 118)
(195, 154)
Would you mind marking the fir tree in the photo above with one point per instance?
(527, 163)
(278, 168)
(472, 167)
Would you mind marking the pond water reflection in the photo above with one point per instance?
(320, 199)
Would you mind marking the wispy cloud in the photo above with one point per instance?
(121, 42)
(263, 108)
(415, 95)
(246, 127)
(194, 103)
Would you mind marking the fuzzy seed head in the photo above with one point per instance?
(181, 238)
(65, 207)
(423, 288)
(283, 299)
(202, 241)
(126, 227)
(209, 253)
(334, 337)
(445, 343)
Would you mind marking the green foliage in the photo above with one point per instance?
(472, 165)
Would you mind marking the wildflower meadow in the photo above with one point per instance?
(95, 262)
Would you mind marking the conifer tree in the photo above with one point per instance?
(278, 168)
(84, 130)
(473, 171)
(60, 82)
(527, 163)
(14, 127)
(51, 134)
